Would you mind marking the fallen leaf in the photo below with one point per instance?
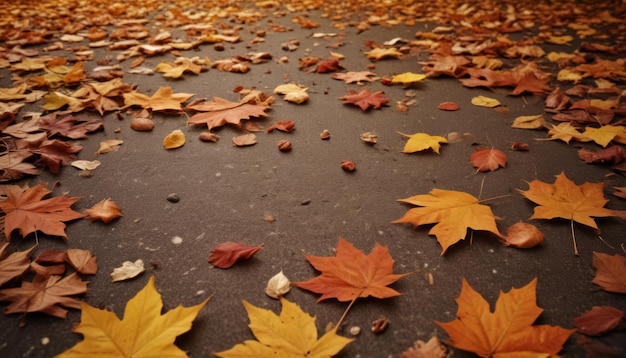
(523, 236)
(508, 330)
(620, 191)
(529, 122)
(365, 99)
(127, 271)
(181, 65)
(291, 334)
(605, 134)
(292, 93)
(105, 210)
(488, 159)
(164, 99)
(82, 261)
(566, 131)
(328, 65)
(356, 77)
(352, 274)
(421, 141)
(110, 145)
(614, 154)
(283, 126)
(46, 294)
(27, 212)
(564, 199)
(610, 272)
(408, 78)
(12, 165)
(244, 140)
(380, 53)
(175, 139)
(453, 212)
(55, 153)
(85, 164)
(68, 126)
(278, 285)
(599, 320)
(13, 265)
(219, 112)
(483, 101)
(142, 332)
(448, 106)
(226, 254)
(431, 349)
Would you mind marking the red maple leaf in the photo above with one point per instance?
(365, 99)
(352, 274)
(27, 211)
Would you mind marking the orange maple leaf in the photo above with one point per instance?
(509, 330)
(610, 272)
(365, 98)
(352, 274)
(219, 112)
(28, 212)
(564, 199)
(488, 159)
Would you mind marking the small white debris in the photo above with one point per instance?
(127, 271)
(177, 240)
(278, 285)
(45, 341)
(200, 293)
(355, 330)
(494, 271)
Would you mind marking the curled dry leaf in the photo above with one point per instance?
(111, 145)
(369, 137)
(284, 145)
(105, 210)
(244, 140)
(325, 135)
(292, 93)
(523, 236)
(127, 271)
(278, 285)
(85, 164)
(599, 320)
(283, 126)
(348, 166)
(175, 139)
(225, 255)
(209, 137)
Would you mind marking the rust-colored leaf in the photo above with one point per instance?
(610, 272)
(105, 210)
(599, 320)
(226, 254)
(488, 159)
(365, 98)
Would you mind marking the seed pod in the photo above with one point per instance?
(380, 325)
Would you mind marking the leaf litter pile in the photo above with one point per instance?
(548, 78)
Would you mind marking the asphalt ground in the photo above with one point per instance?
(226, 194)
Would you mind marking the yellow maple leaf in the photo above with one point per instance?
(564, 199)
(453, 212)
(566, 131)
(422, 141)
(508, 331)
(293, 93)
(162, 100)
(408, 78)
(181, 65)
(143, 332)
(379, 53)
(291, 335)
(605, 134)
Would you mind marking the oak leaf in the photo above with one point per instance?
(365, 99)
(14, 265)
(610, 272)
(226, 254)
(291, 334)
(564, 199)
(142, 332)
(352, 274)
(218, 112)
(488, 159)
(45, 294)
(508, 330)
(453, 212)
(105, 210)
(162, 100)
(421, 141)
(27, 211)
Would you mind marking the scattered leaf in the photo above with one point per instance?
(599, 320)
(164, 99)
(421, 141)
(278, 285)
(226, 254)
(523, 236)
(82, 261)
(244, 140)
(447, 106)
(110, 145)
(86, 164)
(14, 265)
(508, 330)
(292, 334)
(529, 122)
(352, 274)
(292, 93)
(488, 159)
(380, 53)
(142, 332)
(175, 139)
(105, 210)
(431, 349)
(127, 271)
(408, 78)
(219, 112)
(356, 77)
(483, 101)
(365, 99)
(610, 272)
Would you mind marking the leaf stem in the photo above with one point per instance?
(346, 311)
(574, 237)
(494, 197)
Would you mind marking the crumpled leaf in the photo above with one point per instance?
(142, 332)
(291, 334)
(610, 272)
(226, 254)
(175, 139)
(278, 285)
(82, 261)
(508, 330)
(421, 141)
(292, 93)
(127, 271)
(105, 210)
(599, 320)
(352, 274)
(110, 145)
(488, 159)
(483, 101)
(46, 294)
(365, 99)
(453, 212)
(523, 236)
(27, 211)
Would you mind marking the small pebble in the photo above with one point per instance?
(173, 198)
(177, 240)
(355, 330)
